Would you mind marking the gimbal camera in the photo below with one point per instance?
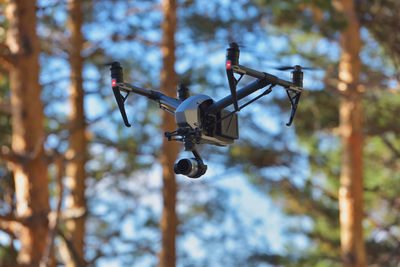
(200, 119)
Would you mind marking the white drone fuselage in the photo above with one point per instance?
(188, 114)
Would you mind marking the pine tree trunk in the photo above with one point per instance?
(30, 174)
(351, 176)
(169, 221)
(75, 169)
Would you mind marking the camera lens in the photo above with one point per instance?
(188, 167)
(193, 168)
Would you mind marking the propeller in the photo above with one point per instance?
(296, 66)
(282, 68)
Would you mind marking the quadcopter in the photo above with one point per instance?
(199, 118)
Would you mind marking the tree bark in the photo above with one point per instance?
(30, 173)
(350, 109)
(169, 221)
(75, 169)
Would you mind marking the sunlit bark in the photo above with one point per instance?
(351, 176)
(169, 153)
(30, 172)
(76, 153)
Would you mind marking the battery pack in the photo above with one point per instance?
(228, 127)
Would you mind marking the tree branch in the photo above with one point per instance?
(73, 214)
(77, 260)
(54, 220)
(389, 144)
(6, 154)
(382, 227)
(6, 57)
(135, 10)
(8, 224)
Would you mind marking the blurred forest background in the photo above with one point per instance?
(78, 188)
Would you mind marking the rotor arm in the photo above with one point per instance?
(117, 81)
(269, 77)
(241, 93)
(293, 89)
(171, 103)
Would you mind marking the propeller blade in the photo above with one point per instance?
(292, 68)
(310, 68)
(285, 68)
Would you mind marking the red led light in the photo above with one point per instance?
(228, 64)
(113, 82)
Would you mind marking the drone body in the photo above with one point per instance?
(190, 115)
(199, 118)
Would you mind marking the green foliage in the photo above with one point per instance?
(381, 18)
(315, 197)
(304, 15)
(8, 255)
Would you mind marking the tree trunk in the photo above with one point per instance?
(75, 169)
(169, 221)
(351, 176)
(30, 172)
